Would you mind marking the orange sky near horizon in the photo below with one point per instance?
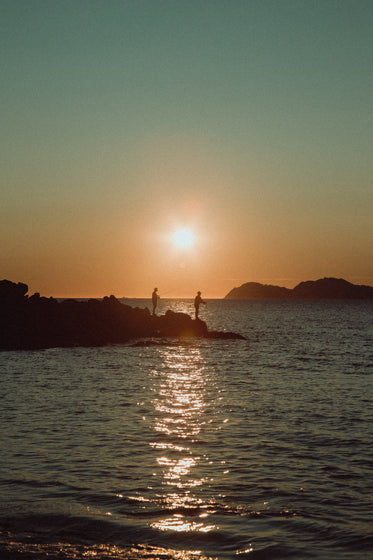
(249, 124)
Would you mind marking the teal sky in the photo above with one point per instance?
(249, 121)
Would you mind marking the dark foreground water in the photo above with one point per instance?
(257, 449)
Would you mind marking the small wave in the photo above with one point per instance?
(13, 547)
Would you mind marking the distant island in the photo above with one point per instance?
(35, 322)
(324, 288)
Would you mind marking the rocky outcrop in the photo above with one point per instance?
(325, 288)
(39, 322)
(11, 293)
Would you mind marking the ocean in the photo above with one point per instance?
(195, 449)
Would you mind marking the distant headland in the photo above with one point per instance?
(35, 322)
(324, 288)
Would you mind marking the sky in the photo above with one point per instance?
(249, 123)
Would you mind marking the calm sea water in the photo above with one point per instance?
(255, 449)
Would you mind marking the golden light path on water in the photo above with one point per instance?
(180, 404)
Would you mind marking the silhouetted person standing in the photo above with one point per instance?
(154, 299)
(197, 302)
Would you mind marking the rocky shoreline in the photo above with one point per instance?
(35, 322)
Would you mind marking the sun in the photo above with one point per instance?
(183, 238)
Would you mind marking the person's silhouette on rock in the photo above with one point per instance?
(155, 299)
(197, 302)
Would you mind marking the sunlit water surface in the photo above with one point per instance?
(199, 448)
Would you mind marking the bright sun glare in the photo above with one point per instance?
(183, 238)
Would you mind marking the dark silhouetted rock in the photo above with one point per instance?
(325, 288)
(180, 325)
(332, 288)
(11, 293)
(224, 335)
(40, 322)
(254, 290)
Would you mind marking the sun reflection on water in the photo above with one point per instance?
(178, 523)
(180, 405)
